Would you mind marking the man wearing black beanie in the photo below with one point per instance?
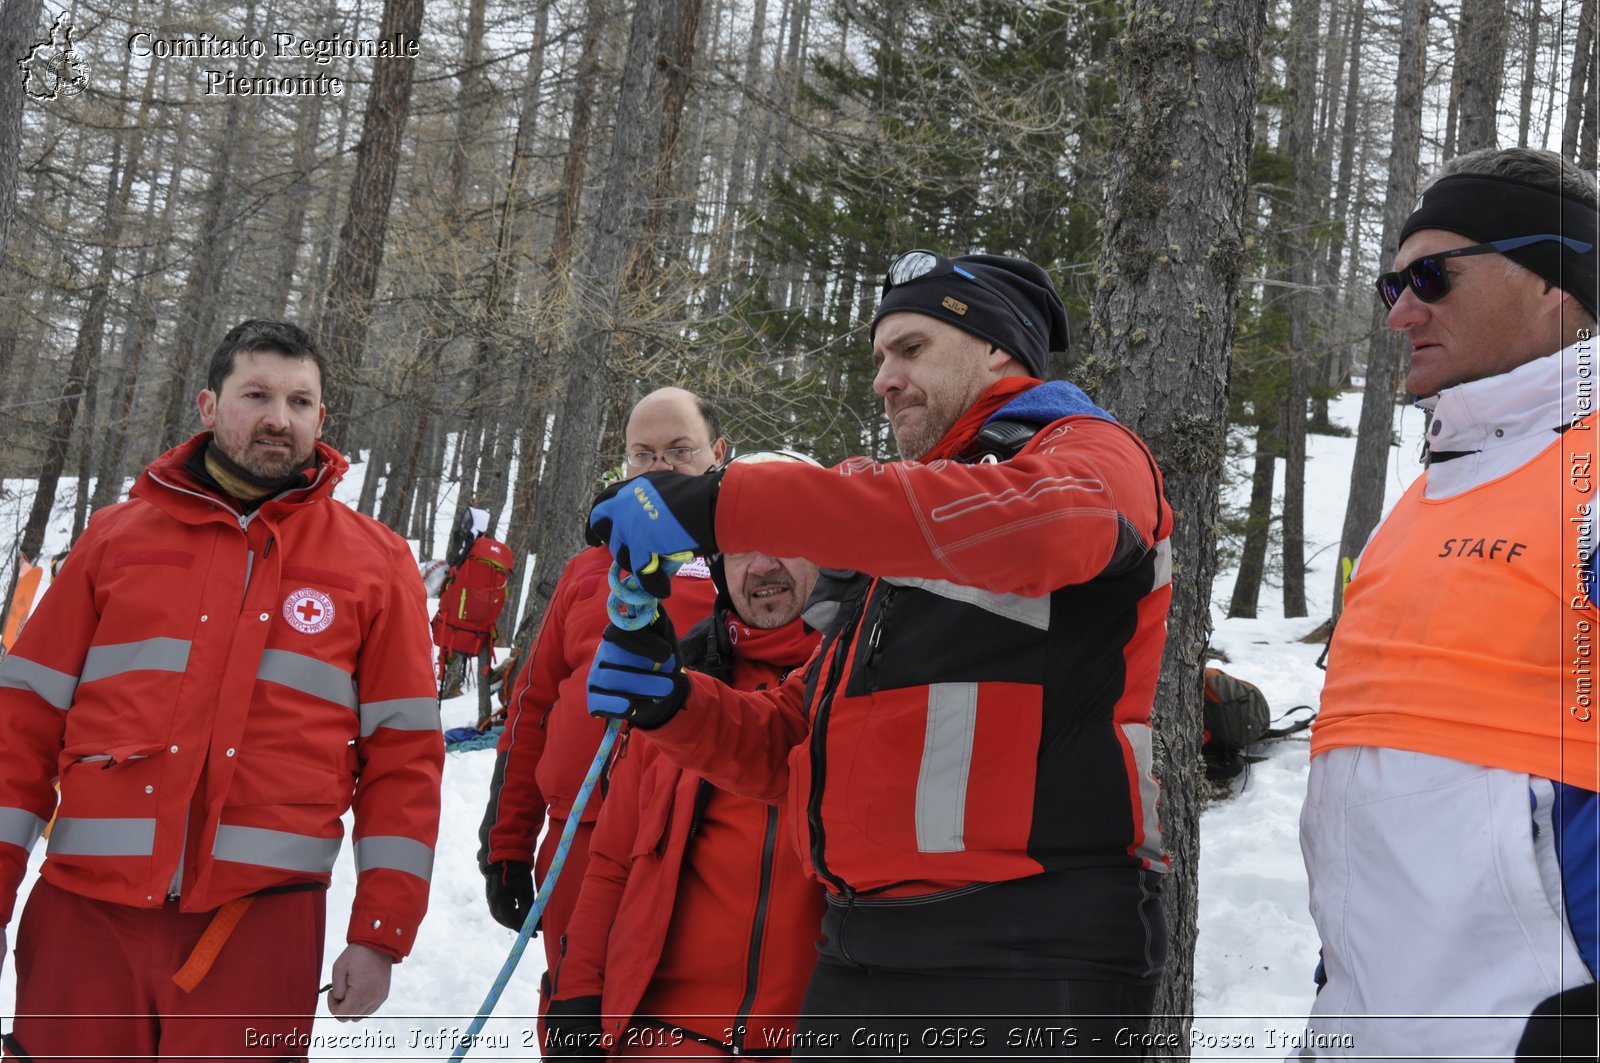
(969, 752)
(1451, 825)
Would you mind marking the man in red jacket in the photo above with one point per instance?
(226, 663)
(968, 755)
(549, 739)
(696, 929)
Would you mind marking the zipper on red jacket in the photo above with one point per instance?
(769, 845)
(819, 742)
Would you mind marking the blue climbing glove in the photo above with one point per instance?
(654, 516)
(637, 675)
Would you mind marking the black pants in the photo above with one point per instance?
(903, 1016)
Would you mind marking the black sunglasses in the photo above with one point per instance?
(915, 265)
(1426, 276)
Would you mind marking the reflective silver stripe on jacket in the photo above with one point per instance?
(20, 827)
(149, 655)
(102, 837)
(400, 714)
(1138, 735)
(56, 688)
(946, 767)
(309, 676)
(396, 854)
(275, 848)
(1034, 612)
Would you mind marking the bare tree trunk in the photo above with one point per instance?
(1169, 269)
(1367, 478)
(1530, 66)
(19, 25)
(1579, 79)
(1258, 524)
(355, 277)
(1303, 308)
(1480, 63)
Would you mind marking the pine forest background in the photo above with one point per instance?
(559, 205)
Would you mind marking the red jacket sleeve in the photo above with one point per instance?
(520, 803)
(739, 740)
(1081, 498)
(37, 681)
(401, 762)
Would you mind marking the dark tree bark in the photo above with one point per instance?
(1258, 523)
(1530, 66)
(1480, 64)
(19, 26)
(1163, 323)
(355, 277)
(1304, 211)
(1580, 82)
(1367, 478)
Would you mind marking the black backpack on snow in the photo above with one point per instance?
(1235, 717)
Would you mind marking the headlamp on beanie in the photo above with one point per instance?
(1009, 302)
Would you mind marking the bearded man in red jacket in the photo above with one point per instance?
(227, 662)
(968, 755)
(696, 929)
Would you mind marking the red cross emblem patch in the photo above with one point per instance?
(308, 611)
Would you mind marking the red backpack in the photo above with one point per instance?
(472, 598)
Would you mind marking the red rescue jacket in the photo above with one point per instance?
(213, 691)
(968, 757)
(695, 912)
(549, 737)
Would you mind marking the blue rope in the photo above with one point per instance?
(631, 608)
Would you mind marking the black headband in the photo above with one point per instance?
(1486, 208)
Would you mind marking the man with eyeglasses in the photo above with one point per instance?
(1451, 819)
(549, 739)
(969, 752)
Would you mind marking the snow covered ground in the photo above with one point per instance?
(1256, 946)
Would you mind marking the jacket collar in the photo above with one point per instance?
(1535, 399)
(168, 484)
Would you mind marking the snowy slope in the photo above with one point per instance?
(1256, 947)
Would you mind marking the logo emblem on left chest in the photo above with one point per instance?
(308, 611)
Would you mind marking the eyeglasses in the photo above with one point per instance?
(643, 459)
(915, 265)
(1428, 281)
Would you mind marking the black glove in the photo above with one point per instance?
(509, 886)
(657, 515)
(638, 675)
(1563, 1026)
(572, 1029)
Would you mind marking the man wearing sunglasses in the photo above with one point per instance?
(968, 754)
(548, 739)
(1451, 821)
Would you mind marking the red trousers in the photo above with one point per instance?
(558, 911)
(94, 980)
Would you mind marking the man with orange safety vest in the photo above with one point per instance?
(227, 662)
(1451, 817)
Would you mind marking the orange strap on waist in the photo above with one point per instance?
(210, 944)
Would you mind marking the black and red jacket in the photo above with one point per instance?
(968, 757)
